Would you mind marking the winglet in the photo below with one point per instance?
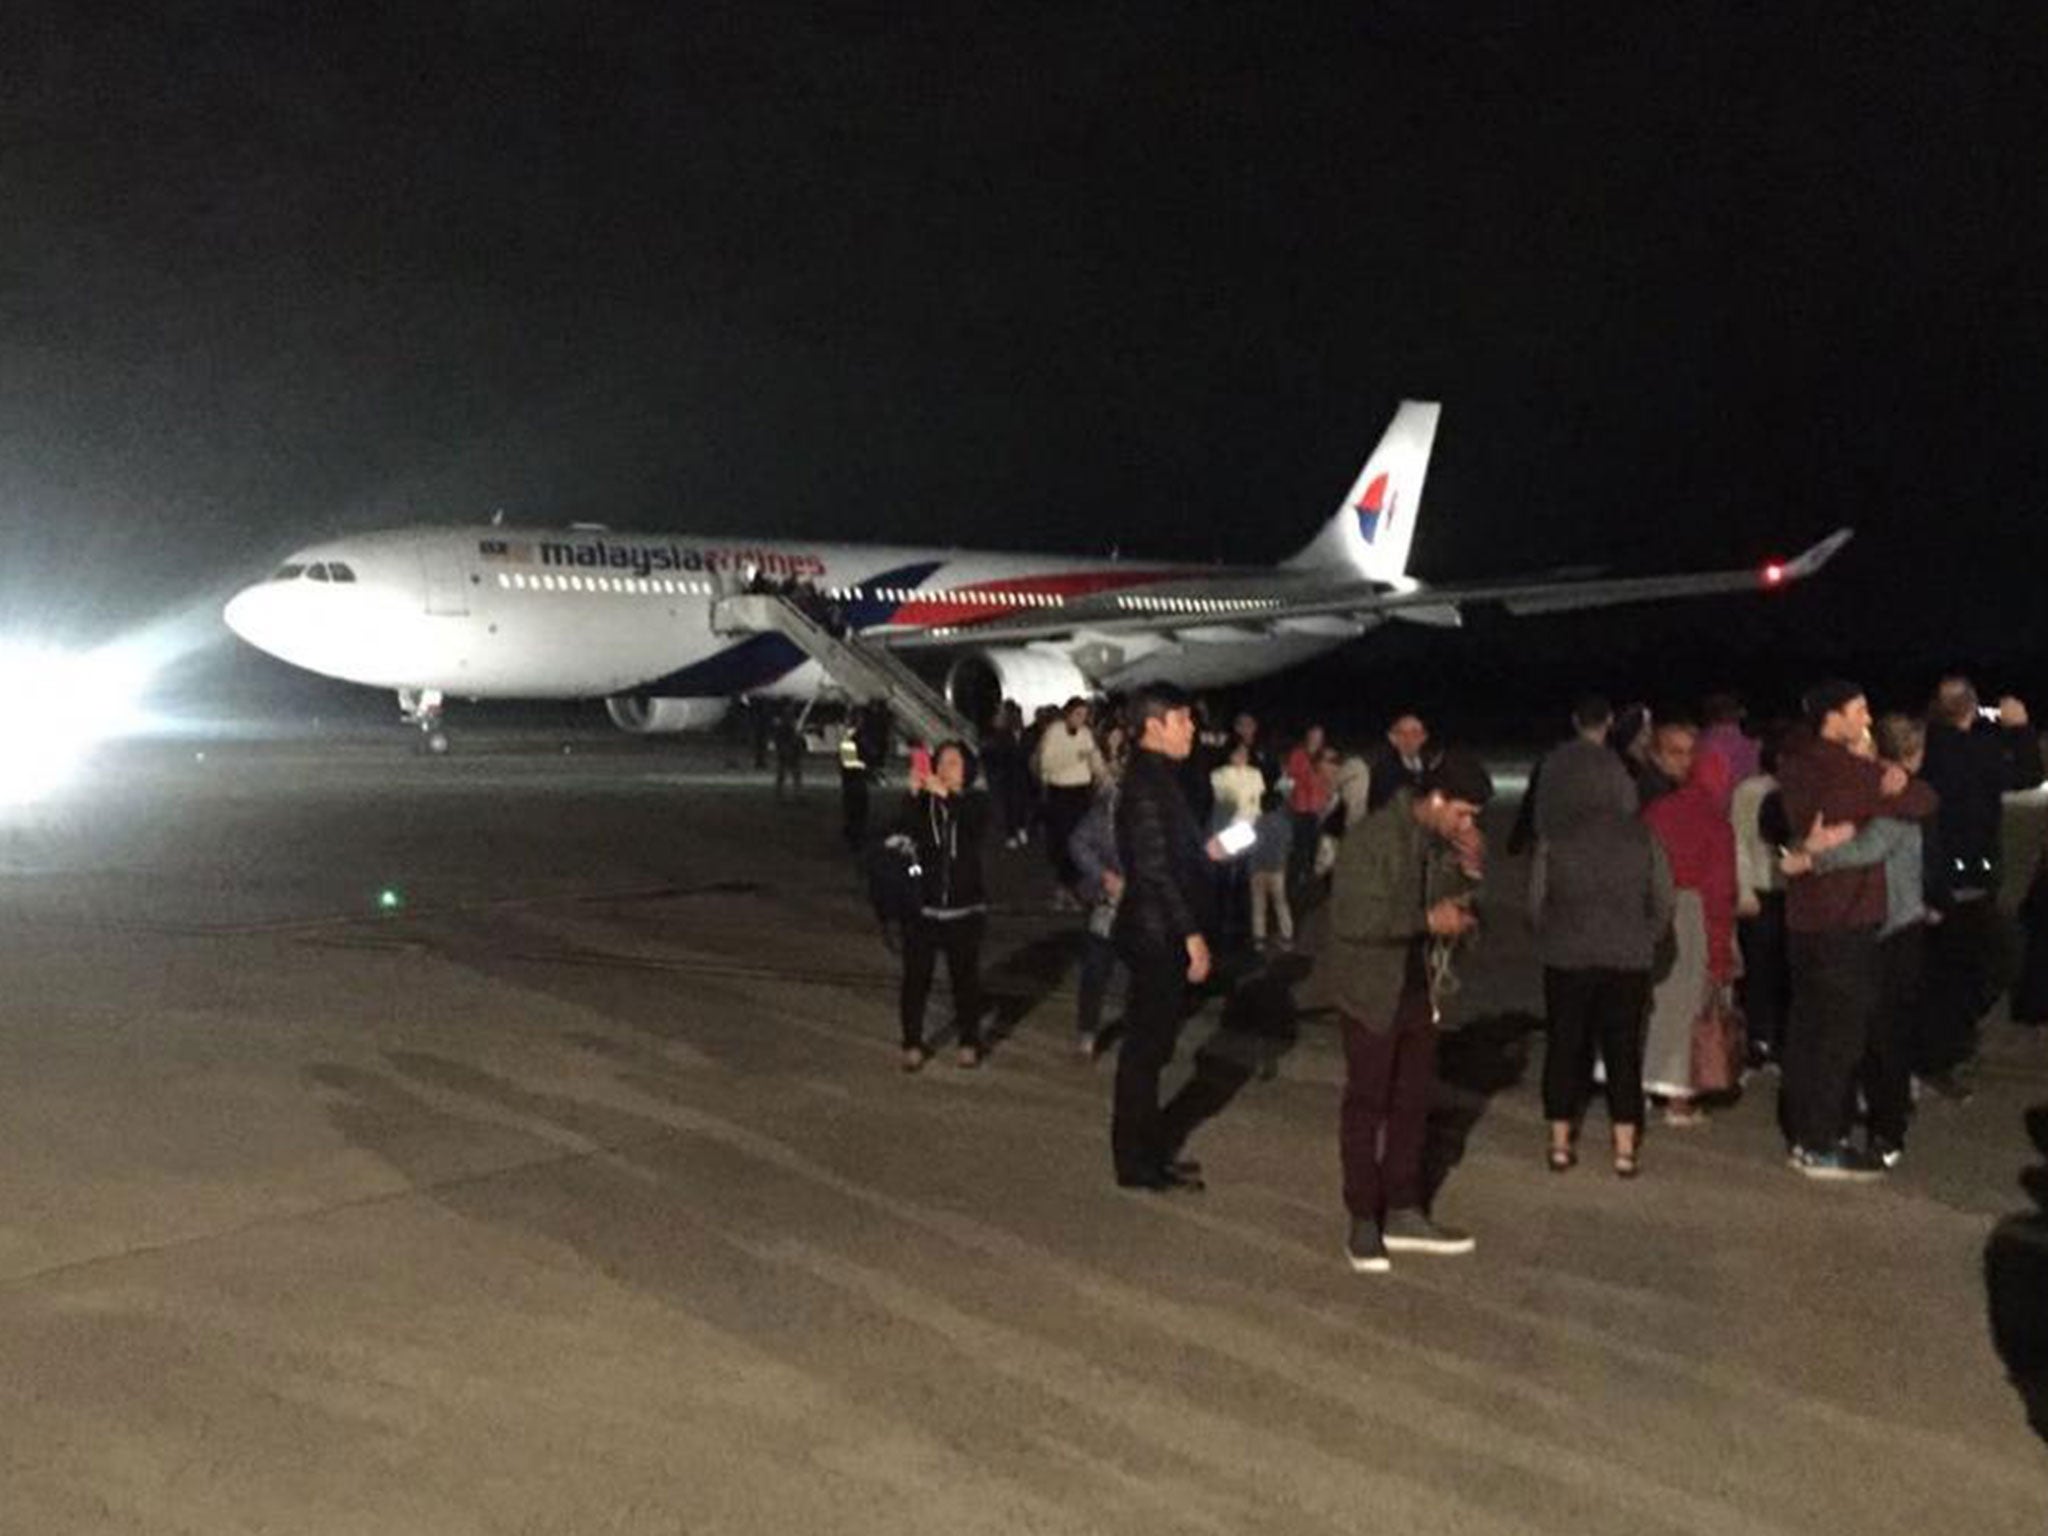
(1809, 563)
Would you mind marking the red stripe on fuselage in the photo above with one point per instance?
(961, 609)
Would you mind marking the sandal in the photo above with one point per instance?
(1628, 1160)
(1563, 1159)
(969, 1056)
(914, 1058)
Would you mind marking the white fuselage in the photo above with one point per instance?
(587, 613)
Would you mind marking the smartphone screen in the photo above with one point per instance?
(1237, 837)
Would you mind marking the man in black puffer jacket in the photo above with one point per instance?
(1161, 933)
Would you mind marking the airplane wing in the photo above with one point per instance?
(1298, 598)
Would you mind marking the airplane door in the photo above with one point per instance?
(447, 583)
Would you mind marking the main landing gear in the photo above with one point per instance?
(422, 707)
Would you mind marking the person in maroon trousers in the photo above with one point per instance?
(1400, 898)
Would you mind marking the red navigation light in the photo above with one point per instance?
(1774, 574)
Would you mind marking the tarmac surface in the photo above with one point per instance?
(580, 1192)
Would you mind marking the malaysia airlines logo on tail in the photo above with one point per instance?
(1373, 524)
(1376, 509)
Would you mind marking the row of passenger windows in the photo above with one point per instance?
(657, 586)
(661, 586)
(650, 586)
(1147, 603)
(949, 595)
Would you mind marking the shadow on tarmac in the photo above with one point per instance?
(1022, 979)
(1259, 1026)
(1484, 1057)
(2016, 1284)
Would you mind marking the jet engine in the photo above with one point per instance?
(656, 717)
(981, 680)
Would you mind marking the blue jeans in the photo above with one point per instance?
(1098, 964)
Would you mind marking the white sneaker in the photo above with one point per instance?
(1410, 1231)
(1364, 1249)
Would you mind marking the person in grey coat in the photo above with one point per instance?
(1601, 898)
(1093, 851)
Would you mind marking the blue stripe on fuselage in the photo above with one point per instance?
(757, 662)
(867, 612)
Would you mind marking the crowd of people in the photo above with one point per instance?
(1820, 899)
(1816, 898)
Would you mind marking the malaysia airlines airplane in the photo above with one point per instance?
(503, 613)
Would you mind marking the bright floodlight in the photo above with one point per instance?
(59, 705)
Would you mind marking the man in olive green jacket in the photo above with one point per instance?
(1400, 897)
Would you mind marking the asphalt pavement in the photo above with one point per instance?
(514, 1142)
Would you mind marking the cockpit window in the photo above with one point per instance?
(336, 571)
(316, 573)
(289, 573)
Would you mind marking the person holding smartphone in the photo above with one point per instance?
(1400, 898)
(946, 823)
(1976, 755)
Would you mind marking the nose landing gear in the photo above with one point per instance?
(421, 707)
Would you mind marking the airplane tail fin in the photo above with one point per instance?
(1375, 524)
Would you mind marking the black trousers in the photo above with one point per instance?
(853, 806)
(1011, 786)
(1233, 903)
(1765, 990)
(1064, 808)
(1836, 979)
(959, 940)
(1888, 1063)
(1961, 954)
(1301, 852)
(1140, 1138)
(2030, 987)
(1590, 1008)
(1098, 965)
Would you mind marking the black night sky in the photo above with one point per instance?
(1693, 288)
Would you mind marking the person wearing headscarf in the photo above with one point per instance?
(1691, 825)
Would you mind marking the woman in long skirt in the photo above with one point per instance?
(1691, 823)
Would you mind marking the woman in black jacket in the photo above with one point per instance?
(947, 824)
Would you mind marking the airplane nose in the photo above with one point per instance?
(243, 615)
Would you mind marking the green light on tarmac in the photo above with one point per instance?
(389, 899)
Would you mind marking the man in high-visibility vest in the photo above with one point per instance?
(863, 747)
(853, 785)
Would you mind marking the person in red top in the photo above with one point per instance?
(1699, 844)
(1308, 800)
(1833, 920)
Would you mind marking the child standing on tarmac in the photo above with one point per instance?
(1271, 857)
